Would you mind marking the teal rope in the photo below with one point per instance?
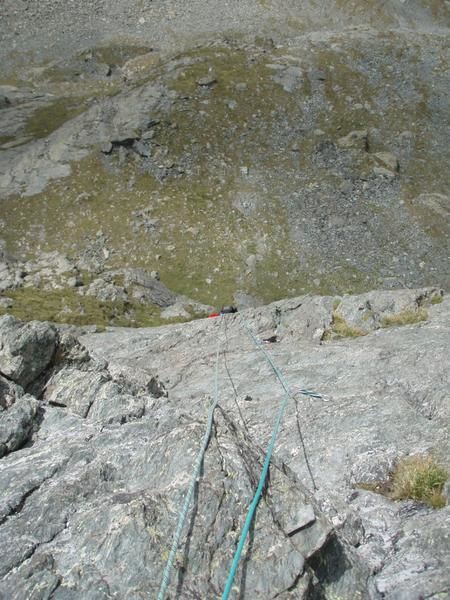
(265, 469)
(195, 474)
(255, 501)
(275, 369)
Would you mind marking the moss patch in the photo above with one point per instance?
(437, 299)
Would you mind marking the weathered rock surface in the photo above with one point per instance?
(92, 501)
(16, 423)
(17, 413)
(25, 350)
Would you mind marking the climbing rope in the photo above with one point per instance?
(275, 369)
(268, 458)
(256, 499)
(195, 474)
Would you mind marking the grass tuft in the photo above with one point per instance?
(406, 317)
(341, 329)
(419, 478)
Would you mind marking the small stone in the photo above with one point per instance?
(207, 81)
(155, 275)
(5, 302)
(387, 160)
(383, 172)
(73, 282)
(355, 139)
(83, 196)
(244, 171)
(106, 148)
(251, 261)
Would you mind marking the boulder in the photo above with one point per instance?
(16, 423)
(26, 349)
(175, 311)
(106, 292)
(153, 290)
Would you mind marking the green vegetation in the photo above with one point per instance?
(50, 117)
(419, 478)
(205, 234)
(67, 306)
(406, 317)
(437, 299)
(341, 329)
(336, 303)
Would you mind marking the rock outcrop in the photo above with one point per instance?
(90, 494)
(26, 349)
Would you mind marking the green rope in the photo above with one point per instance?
(268, 457)
(195, 474)
(255, 501)
(275, 369)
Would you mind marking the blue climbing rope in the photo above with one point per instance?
(268, 458)
(195, 474)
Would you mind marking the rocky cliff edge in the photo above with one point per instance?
(98, 437)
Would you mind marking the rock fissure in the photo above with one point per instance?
(19, 504)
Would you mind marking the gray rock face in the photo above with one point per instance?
(370, 311)
(26, 349)
(16, 423)
(92, 504)
(17, 414)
